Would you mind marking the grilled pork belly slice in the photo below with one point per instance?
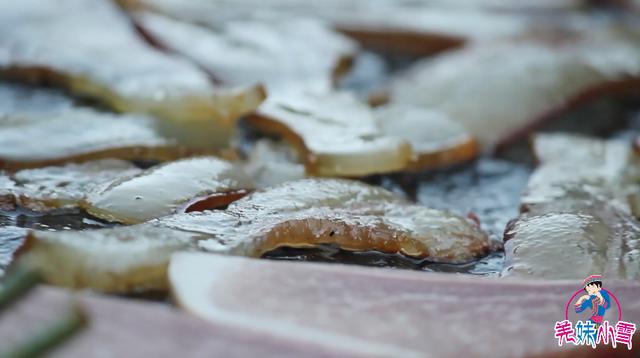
(272, 162)
(436, 141)
(303, 213)
(500, 91)
(184, 185)
(336, 135)
(585, 170)
(280, 52)
(31, 140)
(397, 313)
(410, 28)
(40, 127)
(121, 259)
(66, 186)
(574, 243)
(351, 215)
(91, 48)
(19, 99)
(578, 212)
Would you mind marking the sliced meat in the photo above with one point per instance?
(583, 170)
(578, 207)
(408, 27)
(572, 244)
(510, 5)
(66, 186)
(303, 213)
(352, 215)
(120, 259)
(280, 52)
(397, 313)
(184, 185)
(11, 238)
(436, 141)
(7, 194)
(273, 162)
(19, 99)
(531, 81)
(76, 135)
(127, 328)
(336, 135)
(90, 48)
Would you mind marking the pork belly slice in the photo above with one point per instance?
(90, 48)
(569, 244)
(578, 212)
(399, 313)
(31, 140)
(272, 162)
(119, 327)
(585, 170)
(19, 98)
(120, 260)
(7, 195)
(409, 28)
(336, 135)
(499, 92)
(280, 52)
(184, 185)
(351, 215)
(436, 141)
(65, 186)
(303, 213)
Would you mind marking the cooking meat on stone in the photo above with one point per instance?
(304, 213)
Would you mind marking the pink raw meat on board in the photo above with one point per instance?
(126, 328)
(393, 313)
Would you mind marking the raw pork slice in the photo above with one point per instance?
(127, 328)
(394, 313)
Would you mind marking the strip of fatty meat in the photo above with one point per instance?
(500, 91)
(383, 312)
(118, 327)
(578, 213)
